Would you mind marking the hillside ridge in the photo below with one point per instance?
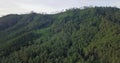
(90, 35)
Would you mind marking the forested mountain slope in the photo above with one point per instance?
(90, 35)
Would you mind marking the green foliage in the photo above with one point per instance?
(90, 35)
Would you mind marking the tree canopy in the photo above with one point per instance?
(90, 35)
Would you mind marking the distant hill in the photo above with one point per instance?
(90, 35)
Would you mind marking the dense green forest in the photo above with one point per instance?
(89, 35)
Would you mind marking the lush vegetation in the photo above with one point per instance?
(90, 35)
